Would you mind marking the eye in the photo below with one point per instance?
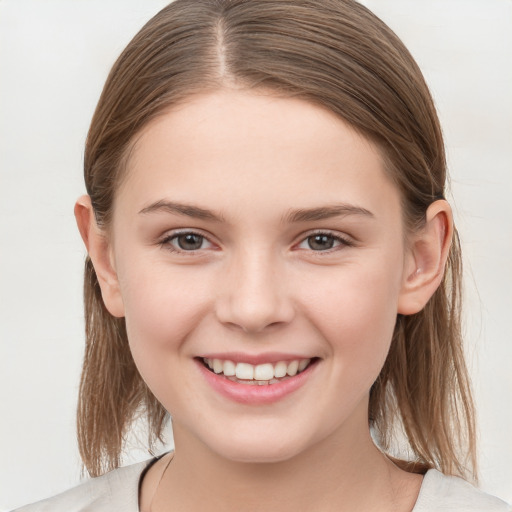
(323, 242)
(187, 242)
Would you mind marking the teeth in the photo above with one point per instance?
(264, 372)
(293, 368)
(280, 369)
(217, 366)
(244, 371)
(229, 368)
(303, 364)
(261, 374)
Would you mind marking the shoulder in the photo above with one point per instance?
(116, 490)
(452, 494)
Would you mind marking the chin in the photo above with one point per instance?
(259, 449)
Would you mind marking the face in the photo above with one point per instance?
(259, 249)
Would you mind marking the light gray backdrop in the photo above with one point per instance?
(54, 58)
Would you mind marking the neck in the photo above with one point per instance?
(342, 473)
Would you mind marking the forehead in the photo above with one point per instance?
(231, 148)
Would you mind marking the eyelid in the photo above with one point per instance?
(345, 240)
(165, 240)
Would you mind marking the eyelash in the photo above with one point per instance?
(341, 241)
(167, 241)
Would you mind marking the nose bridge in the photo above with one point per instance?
(254, 293)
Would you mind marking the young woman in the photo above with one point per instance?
(273, 264)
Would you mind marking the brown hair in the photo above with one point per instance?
(333, 53)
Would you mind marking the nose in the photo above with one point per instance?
(254, 294)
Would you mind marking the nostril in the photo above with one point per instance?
(254, 305)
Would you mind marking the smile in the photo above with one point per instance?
(261, 374)
(262, 383)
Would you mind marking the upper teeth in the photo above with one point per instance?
(266, 371)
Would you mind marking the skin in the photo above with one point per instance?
(254, 286)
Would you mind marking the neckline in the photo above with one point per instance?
(426, 483)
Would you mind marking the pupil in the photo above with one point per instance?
(320, 242)
(190, 242)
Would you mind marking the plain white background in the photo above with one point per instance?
(54, 58)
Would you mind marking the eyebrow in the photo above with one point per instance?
(325, 212)
(293, 216)
(187, 210)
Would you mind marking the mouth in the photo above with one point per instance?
(265, 374)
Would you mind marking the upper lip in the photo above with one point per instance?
(254, 359)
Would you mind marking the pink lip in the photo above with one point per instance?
(254, 395)
(270, 357)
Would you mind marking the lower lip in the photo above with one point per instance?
(255, 394)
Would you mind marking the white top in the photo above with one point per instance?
(119, 491)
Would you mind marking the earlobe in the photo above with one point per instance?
(426, 260)
(99, 250)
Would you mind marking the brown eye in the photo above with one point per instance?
(324, 242)
(187, 242)
(321, 242)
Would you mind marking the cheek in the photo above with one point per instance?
(356, 312)
(162, 307)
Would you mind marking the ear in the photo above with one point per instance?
(100, 252)
(425, 262)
